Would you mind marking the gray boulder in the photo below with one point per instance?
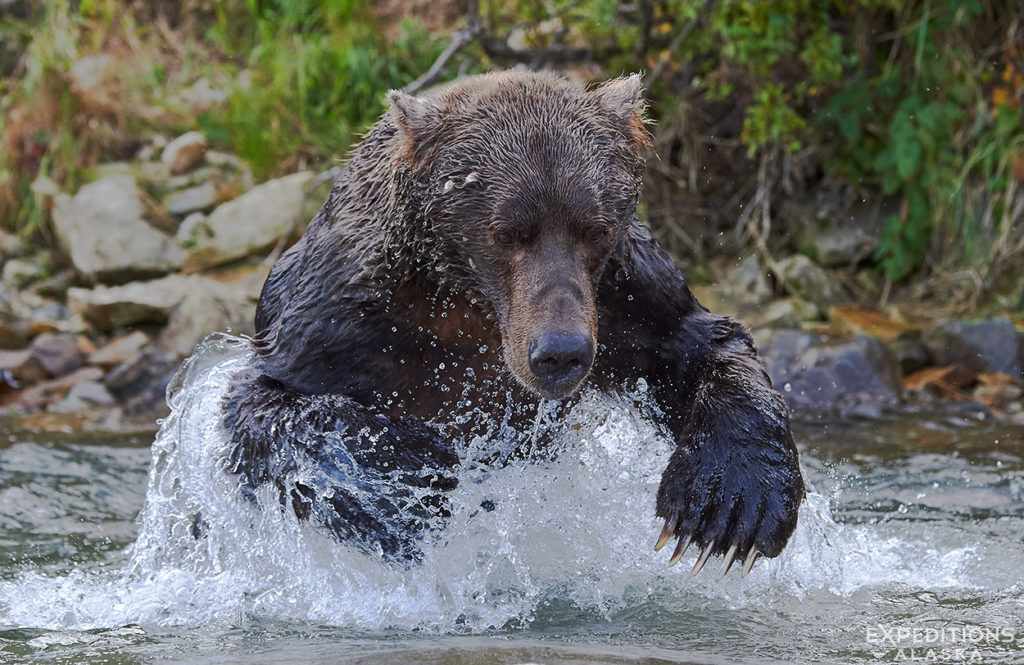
(214, 307)
(139, 385)
(184, 153)
(783, 313)
(251, 223)
(801, 277)
(20, 368)
(82, 397)
(20, 272)
(103, 231)
(747, 280)
(57, 354)
(193, 199)
(835, 247)
(10, 245)
(983, 346)
(813, 371)
(108, 307)
(119, 350)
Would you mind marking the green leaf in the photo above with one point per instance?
(849, 126)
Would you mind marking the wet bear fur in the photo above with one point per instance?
(490, 229)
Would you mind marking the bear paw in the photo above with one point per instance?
(734, 497)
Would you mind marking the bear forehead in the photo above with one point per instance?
(523, 104)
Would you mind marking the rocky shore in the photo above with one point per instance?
(171, 246)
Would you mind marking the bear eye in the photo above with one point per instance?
(505, 237)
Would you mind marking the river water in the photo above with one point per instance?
(910, 548)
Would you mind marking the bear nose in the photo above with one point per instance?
(558, 357)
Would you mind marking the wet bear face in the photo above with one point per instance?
(530, 185)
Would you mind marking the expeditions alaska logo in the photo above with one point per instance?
(946, 644)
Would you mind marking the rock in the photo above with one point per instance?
(232, 176)
(835, 247)
(140, 384)
(156, 174)
(245, 280)
(56, 286)
(202, 96)
(984, 346)
(57, 354)
(21, 368)
(191, 227)
(41, 395)
(747, 279)
(103, 231)
(100, 420)
(10, 245)
(184, 153)
(37, 328)
(13, 334)
(109, 307)
(84, 396)
(20, 272)
(718, 299)
(811, 371)
(911, 352)
(44, 189)
(249, 224)
(85, 345)
(193, 178)
(215, 307)
(224, 159)
(42, 310)
(119, 350)
(192, 199)
(113, 169)
(92, 78)
(784, 313)
(801, 277)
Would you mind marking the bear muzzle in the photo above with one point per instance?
(560, 361)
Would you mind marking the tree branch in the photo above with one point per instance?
(459, 40)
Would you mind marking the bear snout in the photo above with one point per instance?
(560, 361)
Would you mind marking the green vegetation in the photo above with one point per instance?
(319, 72)
(916, 103)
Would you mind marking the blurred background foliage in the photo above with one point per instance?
(911, 110)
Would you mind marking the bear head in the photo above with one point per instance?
(526, 184)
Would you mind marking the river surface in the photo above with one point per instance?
(910, 548)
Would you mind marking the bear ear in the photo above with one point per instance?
(623, 97)
(417, 116)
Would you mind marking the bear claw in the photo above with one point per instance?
(684, 542)
(681, 547)
(703, 558)
(749, 563)
(729, 556)
(666, 533)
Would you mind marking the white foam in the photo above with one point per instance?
(578, 529)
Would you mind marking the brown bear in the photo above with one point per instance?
(481, 251)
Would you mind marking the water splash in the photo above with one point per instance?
(578, 529)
